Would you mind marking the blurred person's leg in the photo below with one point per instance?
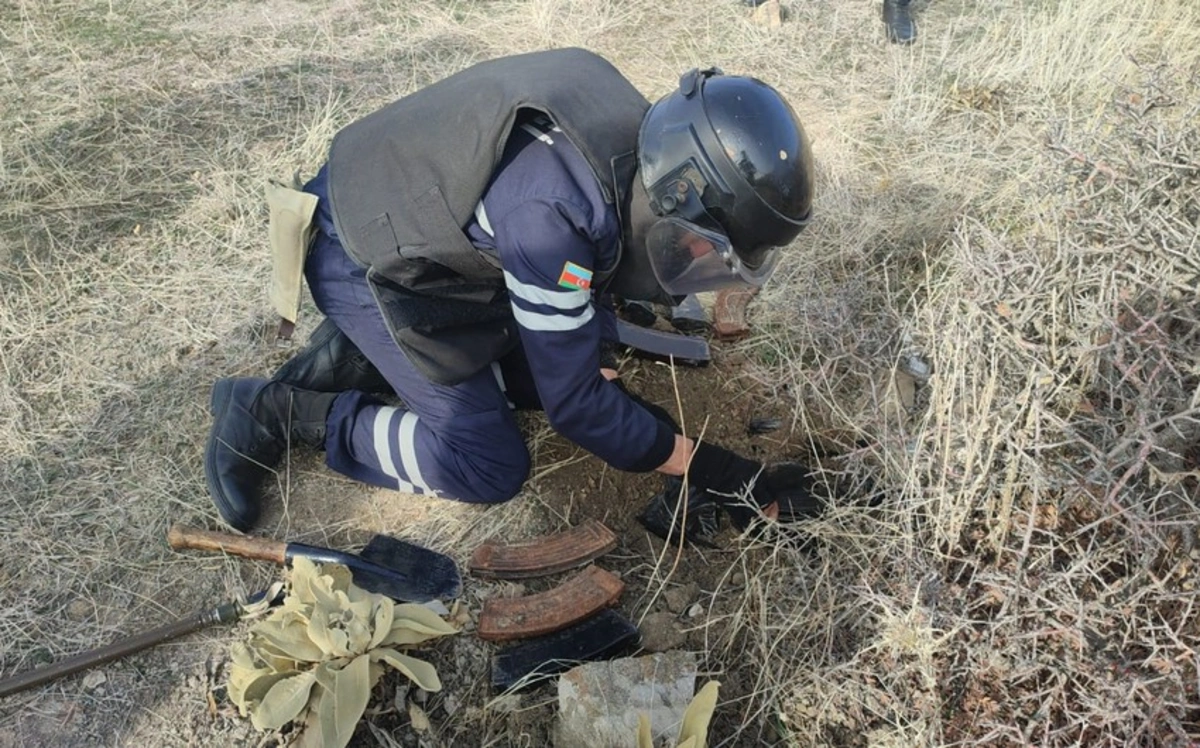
(897, 17)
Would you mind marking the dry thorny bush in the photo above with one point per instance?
(1032, 580)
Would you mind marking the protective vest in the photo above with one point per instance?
(405, 180)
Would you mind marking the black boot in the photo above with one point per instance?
(901, 28)
(330, 362)
(254, 421)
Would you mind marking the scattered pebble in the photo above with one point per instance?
(511, 589)
(660, 634)
(79, 610)
(678, 597)
(420, 720)
(917, 367)
(401, 696)
(94, 680)
(695, 611)
(508, 703)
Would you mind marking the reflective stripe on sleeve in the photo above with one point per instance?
(565, 300)
(551, 322)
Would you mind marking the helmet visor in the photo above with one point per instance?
(688, 258)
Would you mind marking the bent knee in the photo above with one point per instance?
(498, 481)
(490, 477)
(478, 458)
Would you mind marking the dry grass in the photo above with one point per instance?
(1031, 234)
(1013, 200)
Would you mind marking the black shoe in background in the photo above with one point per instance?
(897, 17)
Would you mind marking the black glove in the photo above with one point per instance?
(788, 485)
(727, 475)
(722, 471)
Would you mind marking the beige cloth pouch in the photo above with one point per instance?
(290, 232)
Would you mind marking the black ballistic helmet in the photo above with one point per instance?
(727, 167)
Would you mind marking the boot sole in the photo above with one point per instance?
(218, 406)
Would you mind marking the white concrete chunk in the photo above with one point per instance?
(599, 702)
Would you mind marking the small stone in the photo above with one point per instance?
(418, 718)
(660, 634)
(511, 589)
(695, 611)
(599, 703)
(678, 597)
(917, 367)
(400, 697)
(94, 680)
(78, 610)
(507, 704)
(66, 712)
(450, 705)
(738, 579)
(768, 14)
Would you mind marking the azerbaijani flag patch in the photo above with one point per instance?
(574, 276)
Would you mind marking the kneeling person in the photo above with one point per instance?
(468, 239)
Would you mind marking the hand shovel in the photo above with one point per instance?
(388, 566)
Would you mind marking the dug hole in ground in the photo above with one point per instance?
(992, 318)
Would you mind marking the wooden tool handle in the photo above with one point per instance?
(263, 549)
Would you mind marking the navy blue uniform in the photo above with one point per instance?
(544, 218)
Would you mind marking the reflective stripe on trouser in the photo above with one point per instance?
(382, 446)
(460, 442)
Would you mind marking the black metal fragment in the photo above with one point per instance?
(760, 426)
(604, 635)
